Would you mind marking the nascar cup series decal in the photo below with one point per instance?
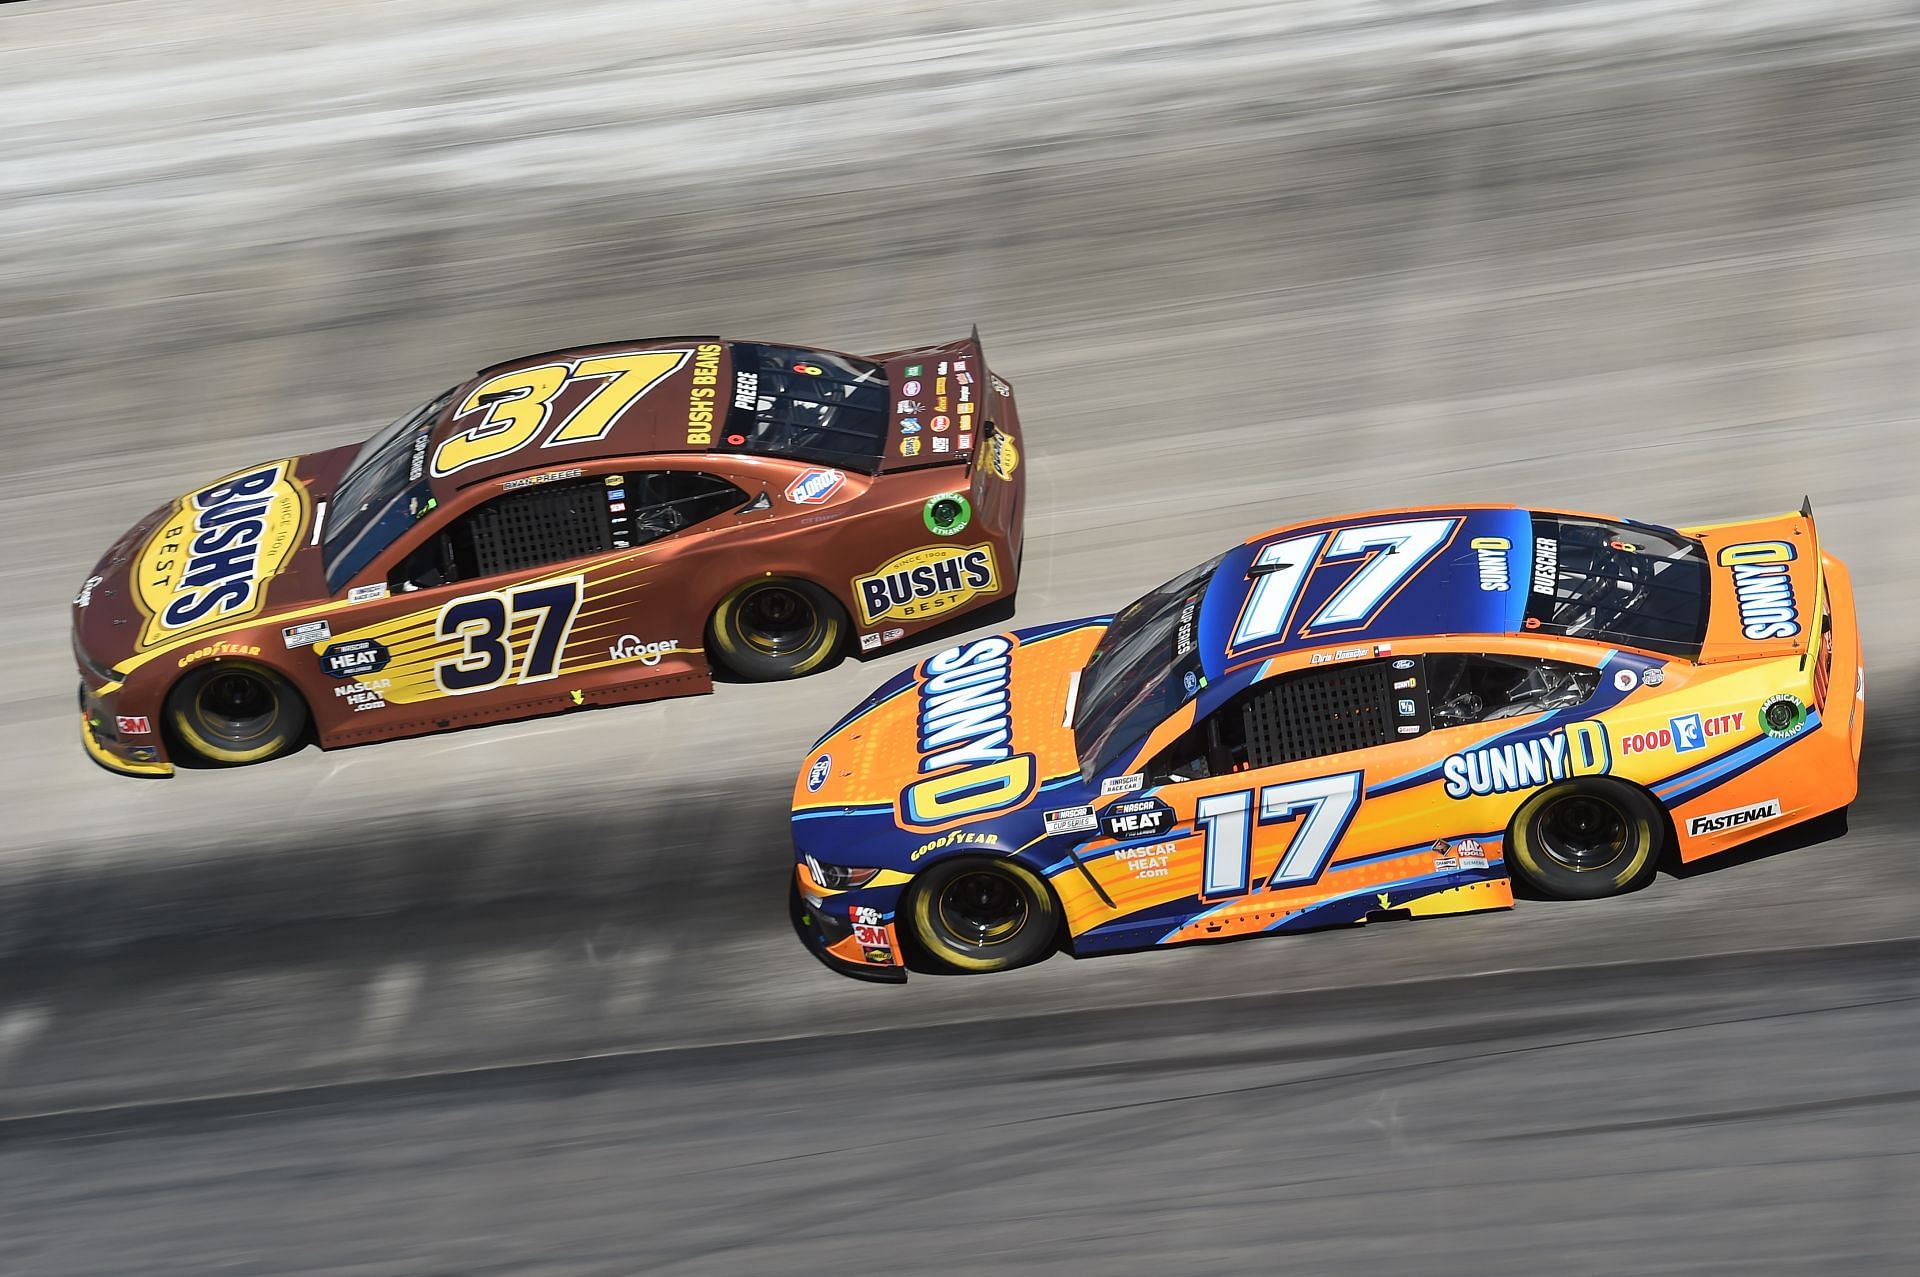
(965, 722)
(925, 582)
(209, 561)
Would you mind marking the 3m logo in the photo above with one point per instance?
(1720, 821)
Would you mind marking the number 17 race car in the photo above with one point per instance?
(585, 527)
(1384, 715)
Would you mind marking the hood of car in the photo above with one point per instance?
(208, 560)
(970, 747)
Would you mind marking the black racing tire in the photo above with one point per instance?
(975, 914)
(778, 627)
(230, 713)
(1587, 839)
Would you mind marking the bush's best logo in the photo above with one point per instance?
(930, 581)
(1003, 457)
(964, 733)
(1763, 588)
(210, 559)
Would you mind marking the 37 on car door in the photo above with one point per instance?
(545, 590)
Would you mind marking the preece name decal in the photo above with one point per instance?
(1721, 821)
(206, 563)
(1763, 588)
(965, 721)
(925, 582)
(1579, 749)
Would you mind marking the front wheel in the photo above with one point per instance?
(778, 628)
(232, 712)
(1586, 839)
(982, 915)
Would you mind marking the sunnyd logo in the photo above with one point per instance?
(207, 562)
(1763, 588)
(1580, 749)
(630, 648)
(965, 732)
(925, 582)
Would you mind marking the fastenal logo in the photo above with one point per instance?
(1763, 588)
(630, 648)
(926, 582)
(1720, 821)
(208, 561)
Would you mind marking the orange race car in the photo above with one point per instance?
(1389, 714)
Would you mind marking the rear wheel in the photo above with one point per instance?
(1586, 839)
(777, 628)
(233, 712)
(982, 915)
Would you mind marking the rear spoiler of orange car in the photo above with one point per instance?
(1767, 594)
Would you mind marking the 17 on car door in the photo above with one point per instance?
(1271, 786)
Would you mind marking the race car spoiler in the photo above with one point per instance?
(1767, 591)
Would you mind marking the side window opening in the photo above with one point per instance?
(1316, 712)
(1471, 688)
(552, 523)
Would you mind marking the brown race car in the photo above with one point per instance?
(585, 527)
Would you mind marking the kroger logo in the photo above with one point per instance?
(815, 486)
(630, 648)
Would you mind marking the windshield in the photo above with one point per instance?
(384, 491)
(1618, 582)
(1146, 666)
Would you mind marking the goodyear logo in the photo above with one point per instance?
(927, 582)
(966, 722)
(1763, 588)
(211, 559)
(1579, 749)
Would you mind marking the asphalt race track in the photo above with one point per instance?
(524, 1000)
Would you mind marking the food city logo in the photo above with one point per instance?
(1684, 734)
(1490, 554)
(964, 737)
(209, 560)
(1578, 749)
(926, 582)
(1763, 588)
(629, 648)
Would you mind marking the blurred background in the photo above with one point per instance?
(524, 1000)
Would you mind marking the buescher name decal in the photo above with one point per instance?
(210, 561)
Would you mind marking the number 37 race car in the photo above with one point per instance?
(585, 527)
(1385, 715)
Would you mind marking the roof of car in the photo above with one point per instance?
(1365, 580)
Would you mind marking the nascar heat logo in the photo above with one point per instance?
(209, 561)
(965, 723)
